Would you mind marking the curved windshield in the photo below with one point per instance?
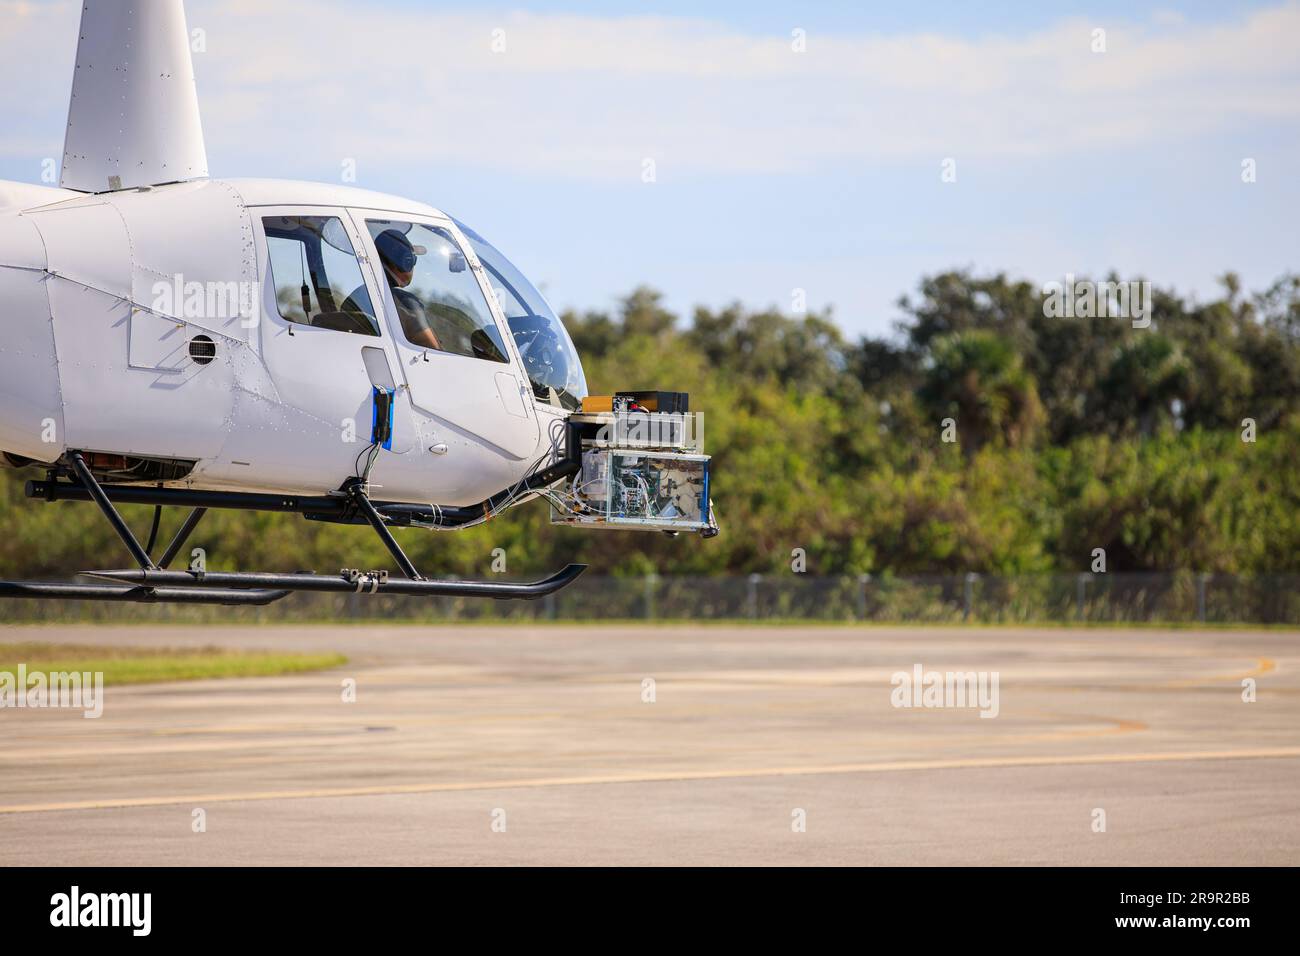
(549, 356)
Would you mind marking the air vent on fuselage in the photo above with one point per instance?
(202, 349)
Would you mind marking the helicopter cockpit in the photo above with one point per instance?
(554, 369)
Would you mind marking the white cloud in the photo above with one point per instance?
(589, 97)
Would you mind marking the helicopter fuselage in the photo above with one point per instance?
(184, 331)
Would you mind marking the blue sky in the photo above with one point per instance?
(960, 17)
(775, 170)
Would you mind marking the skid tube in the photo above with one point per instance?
(347, 581)
(138, 595)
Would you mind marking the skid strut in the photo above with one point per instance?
(97, 493)
(148, 594)
(356, 491)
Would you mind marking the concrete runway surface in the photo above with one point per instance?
(545, 729)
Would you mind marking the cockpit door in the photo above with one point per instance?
(318, 321)
(457, 356)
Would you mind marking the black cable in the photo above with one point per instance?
(153, 532)
(356, 464)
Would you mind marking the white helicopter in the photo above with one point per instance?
(171, 339)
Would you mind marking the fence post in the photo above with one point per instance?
(1081, 595)
(751, 595)
(548, 604)
(1201, 581)
(863, 581)
(969, 595)
(650, 580)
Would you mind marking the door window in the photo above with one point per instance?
(316, 275)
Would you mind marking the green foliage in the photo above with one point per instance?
(977, 378)
(148, 665)
(1073, 434)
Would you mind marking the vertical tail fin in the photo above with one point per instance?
(134, 115)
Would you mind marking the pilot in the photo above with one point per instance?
(399, 258)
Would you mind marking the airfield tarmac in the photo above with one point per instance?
(547, 730)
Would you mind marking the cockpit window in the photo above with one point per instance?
(554, 368)
(439, 301)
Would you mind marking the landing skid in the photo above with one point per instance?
(153, 583)
(348, 581)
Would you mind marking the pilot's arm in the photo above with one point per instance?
(426, 338)
(415, 322)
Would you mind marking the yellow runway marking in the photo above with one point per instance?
(352, 734)
(897, 766)
(279, 736)
(1262, 666)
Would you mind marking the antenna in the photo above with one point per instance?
(133, 119)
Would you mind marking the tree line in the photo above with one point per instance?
(982, 435)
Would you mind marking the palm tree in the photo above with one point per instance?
(976, 378)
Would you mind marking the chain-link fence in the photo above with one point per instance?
(976, 599)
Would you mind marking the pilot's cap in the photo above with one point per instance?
(396, 250)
